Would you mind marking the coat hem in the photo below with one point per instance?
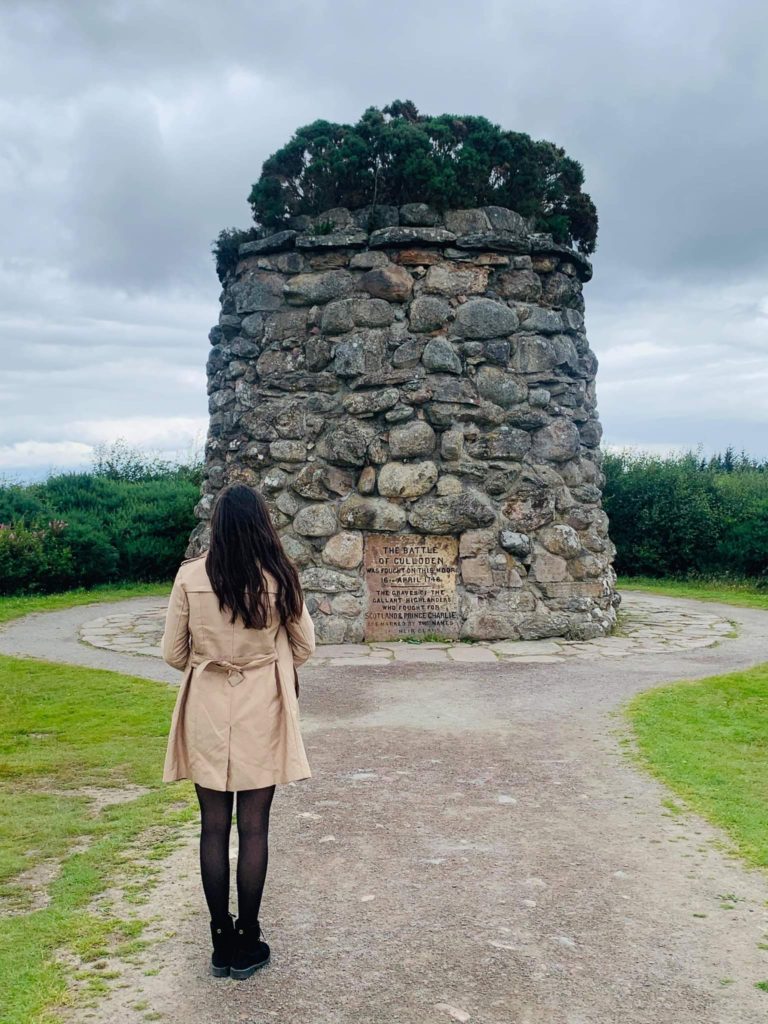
(282, 780)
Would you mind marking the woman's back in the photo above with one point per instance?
(213, 633)
(235, 724)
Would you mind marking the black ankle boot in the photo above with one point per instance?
(223, 935)
(250, 952)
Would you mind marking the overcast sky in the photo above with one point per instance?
(131, 132)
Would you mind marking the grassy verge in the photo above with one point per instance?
(708, 741)
(71, 741)
(743, 593)
(14, 607)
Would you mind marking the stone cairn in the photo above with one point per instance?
(417, 405)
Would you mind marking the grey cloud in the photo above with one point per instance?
(131, 133)
(662, 104)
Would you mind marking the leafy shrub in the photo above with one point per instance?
(119, 461)
(95, 557)
(128, 519)
(225, 248)
(743, 545)
(686, 516)
(19, 503)
(154, 522)
(397, 155)
(34, 558)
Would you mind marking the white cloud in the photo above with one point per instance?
(691, 359)
(44, 454)
(155, 432)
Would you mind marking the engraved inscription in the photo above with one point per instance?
(411, 586)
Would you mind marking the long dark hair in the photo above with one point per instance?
(243, 543)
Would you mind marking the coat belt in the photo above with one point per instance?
(234, 671)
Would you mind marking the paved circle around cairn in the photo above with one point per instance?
(646, 626)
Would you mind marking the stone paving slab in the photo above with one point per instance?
(648, 626)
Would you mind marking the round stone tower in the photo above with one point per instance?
(417, 405)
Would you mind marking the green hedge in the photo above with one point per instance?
(127, 520)
(688, 517)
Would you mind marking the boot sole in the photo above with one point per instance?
(246, 972)
(220, 972)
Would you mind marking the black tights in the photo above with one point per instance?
(252, 828)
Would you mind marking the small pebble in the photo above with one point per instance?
(453, 1011)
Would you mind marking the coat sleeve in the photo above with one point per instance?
(301, 634)
(175, 642)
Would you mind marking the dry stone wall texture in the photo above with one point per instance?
(417, 404)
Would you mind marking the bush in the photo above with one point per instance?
(687, 517)
(118, 461)
(743, 545)
(95, 558)
(34, 558)
(129, 519)
(226, 246)
(18, 503)
(153, 523)
(397, 155)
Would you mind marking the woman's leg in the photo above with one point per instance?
(216, 821)
(253, 807)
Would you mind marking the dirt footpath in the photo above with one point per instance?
(475, 846)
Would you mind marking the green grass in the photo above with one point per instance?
(61, 728)
(14, 607)
(744, 593)
(708, 741)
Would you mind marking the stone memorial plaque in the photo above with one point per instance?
(411, 586)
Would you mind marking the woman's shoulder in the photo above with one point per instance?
(193, 569)
(194, 576)
(195, 558)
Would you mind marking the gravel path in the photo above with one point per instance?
(473, 846)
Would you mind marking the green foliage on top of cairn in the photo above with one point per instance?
(226, 245)
(396, 155)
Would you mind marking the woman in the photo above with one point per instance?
(238, 626)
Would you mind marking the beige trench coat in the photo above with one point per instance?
(236, 721)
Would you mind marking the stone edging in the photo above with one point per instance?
(648, 628)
